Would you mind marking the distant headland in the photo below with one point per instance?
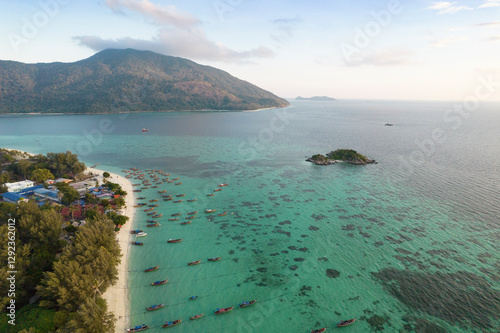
(315, 98)
(341, 155)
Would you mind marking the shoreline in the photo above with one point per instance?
(117, 295)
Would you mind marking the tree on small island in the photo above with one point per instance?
(341, 155)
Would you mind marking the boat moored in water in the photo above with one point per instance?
(137, 243)
(154, 225)
(220, 311)
(141, 234)
(135, 231)
(192, 263)
(174, 219)
(174, 240)
(175, 214)
(210, 195)
(214, 259)
(245, 304)
(159, 283)
(222, 185)
(171, 323)
(348, 322)
(192, 200)
(155, 307)
(187, 222)
(222, 214)
(320, 330)
(209, 210)
(152, 269)
(140, 328)
(192, 298)
(197, 316)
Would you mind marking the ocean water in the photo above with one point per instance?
(406, 245)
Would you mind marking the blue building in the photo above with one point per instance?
(12, 197)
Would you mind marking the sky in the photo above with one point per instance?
(347, 49)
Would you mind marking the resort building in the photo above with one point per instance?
(18, 186)
(12, 197)
(43, 193)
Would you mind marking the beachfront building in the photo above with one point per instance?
(43, 193)
(19, 186)
(12, 197)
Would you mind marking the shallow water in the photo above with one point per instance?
(408, 244)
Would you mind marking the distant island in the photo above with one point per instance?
(341, 155)
(126, 80)
(315, 98)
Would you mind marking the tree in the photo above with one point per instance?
(41, 175)
(69, 194)
(106, 174)
(23, 167)
(92, 316)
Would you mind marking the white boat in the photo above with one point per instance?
(141, 234)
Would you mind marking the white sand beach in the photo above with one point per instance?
(117, 295)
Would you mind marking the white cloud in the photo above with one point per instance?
(446, 7)
(388, 57)
(180, 35)
(192, 44)
(448, 41)
(163, 15)
(490, 3)
(493, 38)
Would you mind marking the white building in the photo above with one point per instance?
(18, 186)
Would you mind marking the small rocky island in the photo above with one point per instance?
(341, 155)
(315, 98)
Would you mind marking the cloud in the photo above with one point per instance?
(179, 35)
(389, 57)
(487, 24)
(490, 3)
(163, 15)
(283, 29)
(493, 38)
(446, 7)
(192, 44)
(448, 41)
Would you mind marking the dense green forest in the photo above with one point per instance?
(125, 80)
(69, 277)
(16, 165)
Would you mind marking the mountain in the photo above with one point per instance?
(315, 98)
(125, 80)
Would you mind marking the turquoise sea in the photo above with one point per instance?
(406, 245)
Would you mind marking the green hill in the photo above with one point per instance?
(125, 80)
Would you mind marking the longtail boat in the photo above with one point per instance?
(177, 201)
(154, 225)
(164, 191)
(136, 184)
(192, 212)
(141, 234)
(152, 213)
(159, 283)
(167, 196)
(174, 219)
(156, 186)
(197, 316)
(135, 231)
(176, 178)
(155, 307)
(175, 214)
(141, 198)
(192, 298)
(158, 215)
(153, 200)
(217, 190)
(222, 214)
(189, 217)
(192, 263)
(320, 330)
(142, 327)
(148, 210)
(144, 188)
(245, 304)
(171, 323)
(192, 200)
(170, 181)
(180, 195)
(220, 311)
(154, 205)
(209, 210)
(137, 243)
(348, 322)
(152, 221)
(178, 183)
(222, 185)
(214, 259)
(174, 240)
(210, 195)
(150, 269)
(136, 190)
(187, 222)
(167, 199)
